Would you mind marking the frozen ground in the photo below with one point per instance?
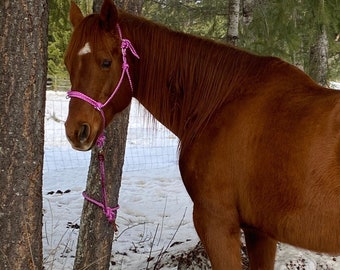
(155, 211)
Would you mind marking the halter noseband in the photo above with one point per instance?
(125, 44)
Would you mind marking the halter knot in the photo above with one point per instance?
(101, 140)
(99, 106)
(126, 44)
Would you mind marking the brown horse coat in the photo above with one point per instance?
(259, 139)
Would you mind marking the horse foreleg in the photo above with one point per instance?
(261, 250)
(221, 239)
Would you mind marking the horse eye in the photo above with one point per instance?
(106, 63)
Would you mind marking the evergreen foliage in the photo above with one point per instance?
(287, 29)
(59, 32)
(204, 18)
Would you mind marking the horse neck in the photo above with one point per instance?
(178, 78)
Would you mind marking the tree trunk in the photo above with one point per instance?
(233, 21)
(318, 66)
(23, 68)
(96, 233)
(247, 15)
(247, 12)
(97, 4)
(132, 6)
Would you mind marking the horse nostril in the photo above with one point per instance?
(84, 133)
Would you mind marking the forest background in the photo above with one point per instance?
(289, 29)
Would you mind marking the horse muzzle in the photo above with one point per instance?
(80, 136)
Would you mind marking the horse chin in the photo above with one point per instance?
(84, 146)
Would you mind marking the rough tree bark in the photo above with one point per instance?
(133, 6)
(247, 11)
(23, 68)
(97, 4)
(318, 65)
(96, 233)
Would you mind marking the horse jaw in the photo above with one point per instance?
(80, 146)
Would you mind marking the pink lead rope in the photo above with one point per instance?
(109, 212)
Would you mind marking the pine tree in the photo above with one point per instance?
(233, 21)
(59, 32)
(23, 69)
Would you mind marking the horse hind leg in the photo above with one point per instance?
(261, 250)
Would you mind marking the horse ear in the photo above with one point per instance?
(109, 15)
(76, 16)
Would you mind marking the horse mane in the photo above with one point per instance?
(184, 79)
(181, 79)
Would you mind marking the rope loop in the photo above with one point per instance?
(111, 213)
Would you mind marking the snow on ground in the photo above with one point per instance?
(335, 85)
(155, 211)
(154, 207)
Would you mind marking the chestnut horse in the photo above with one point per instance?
(259, 139)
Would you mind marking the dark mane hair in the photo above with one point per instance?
(192, 77)
(181, 79)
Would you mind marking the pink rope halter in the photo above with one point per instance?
(109, 212)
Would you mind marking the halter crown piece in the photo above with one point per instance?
(110, 213)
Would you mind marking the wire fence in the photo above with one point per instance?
(57, 83)
(148, 146)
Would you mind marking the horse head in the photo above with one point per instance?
(97, 67)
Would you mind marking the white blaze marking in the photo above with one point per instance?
(85, 50)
